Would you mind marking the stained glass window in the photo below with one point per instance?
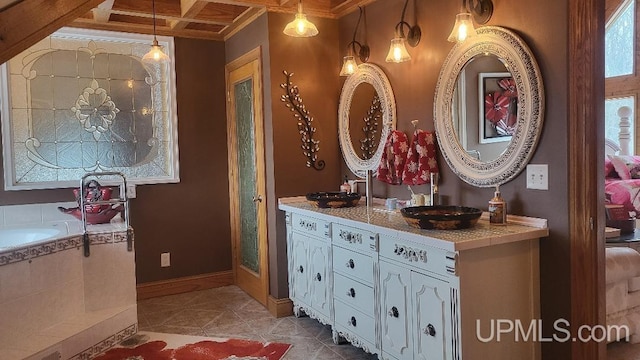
(82, 101)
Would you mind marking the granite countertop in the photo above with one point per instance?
(392, 223)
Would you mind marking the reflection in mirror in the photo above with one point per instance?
(365, 117)
(489, 107)
(484, 107)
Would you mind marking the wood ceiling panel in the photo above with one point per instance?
(202, 19)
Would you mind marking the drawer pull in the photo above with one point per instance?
(300, 269)
(351, 264)
(430, 330)
(351, 293)
(352, 321)
(394, 312)
(319, 277)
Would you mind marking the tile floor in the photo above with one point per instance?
(229, 312)
(623, 351)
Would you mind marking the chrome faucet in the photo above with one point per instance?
(435, 193)
(368, 181)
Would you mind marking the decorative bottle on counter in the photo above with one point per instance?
(497, 209)
(345, 187)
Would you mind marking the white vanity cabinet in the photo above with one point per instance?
(410, 294)
(309, 259)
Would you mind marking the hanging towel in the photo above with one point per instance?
(393, 158)
(421, 159)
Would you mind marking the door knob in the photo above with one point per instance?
(394, 312)
(430, 330)
(257, 198)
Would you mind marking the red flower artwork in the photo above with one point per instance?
(496, 107)
(509, 87)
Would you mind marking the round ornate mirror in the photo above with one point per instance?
(489, 107)
(366, 114)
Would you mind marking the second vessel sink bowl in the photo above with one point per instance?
(333, 199)
(441, 217)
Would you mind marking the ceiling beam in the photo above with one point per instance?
(188, 9)
(44, 17)
(145, 29)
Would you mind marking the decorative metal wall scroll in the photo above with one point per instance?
(293, 102)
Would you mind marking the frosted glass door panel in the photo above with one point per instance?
(245, 134)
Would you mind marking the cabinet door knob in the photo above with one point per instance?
(394, 312)
(430, 330)
(319, 277)
(351, 264)
(301, 269)
(352, 321)
(351, 292)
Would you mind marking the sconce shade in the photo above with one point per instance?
(349, 65)
(398, 51)
(156, 55)
(300, 26)
(462, 29)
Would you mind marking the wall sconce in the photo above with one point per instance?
(479, 10)
(349, 63)
(300, 26)
(155, 54)
(398, 50)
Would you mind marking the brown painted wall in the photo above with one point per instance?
(315, 64)
(189, 219)
(414, 87)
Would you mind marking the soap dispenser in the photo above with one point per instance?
(497, 209)
(345, 187)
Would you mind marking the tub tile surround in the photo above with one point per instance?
(53, 299)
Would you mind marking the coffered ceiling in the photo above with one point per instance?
(205, 19)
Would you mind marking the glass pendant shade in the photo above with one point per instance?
(398, 51)
(300, 26)
(462, 29)
(156, 55)
(349, 65)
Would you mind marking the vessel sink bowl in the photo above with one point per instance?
(333, 199)
(441, 217)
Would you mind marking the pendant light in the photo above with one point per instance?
(300, 26)
(155, 54)
(398, 50)
(478, 10)
(349, 63)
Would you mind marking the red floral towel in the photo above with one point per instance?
(421, 159)
(393, 158)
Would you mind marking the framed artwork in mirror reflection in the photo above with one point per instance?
(498, 99)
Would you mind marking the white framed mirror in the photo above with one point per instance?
(366, 114)
(489, 107)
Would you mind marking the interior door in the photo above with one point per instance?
(245, 138)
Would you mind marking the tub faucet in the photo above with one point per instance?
(435, 193)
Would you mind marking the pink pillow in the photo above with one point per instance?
(627, 166)
(609, 171)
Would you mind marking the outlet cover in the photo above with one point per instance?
(538, 176)
(165, 259)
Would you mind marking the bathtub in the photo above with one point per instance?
(74, 305)
(12, 238)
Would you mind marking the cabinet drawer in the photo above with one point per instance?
(353, 238)
(353, 293)
(353, 264)
(310, 226)
(355, 321)
(419, 256)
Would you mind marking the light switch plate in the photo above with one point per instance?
(165, 259)
(131, 191)
(538, 176)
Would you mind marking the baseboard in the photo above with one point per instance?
(184, 284)
(279, 307)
